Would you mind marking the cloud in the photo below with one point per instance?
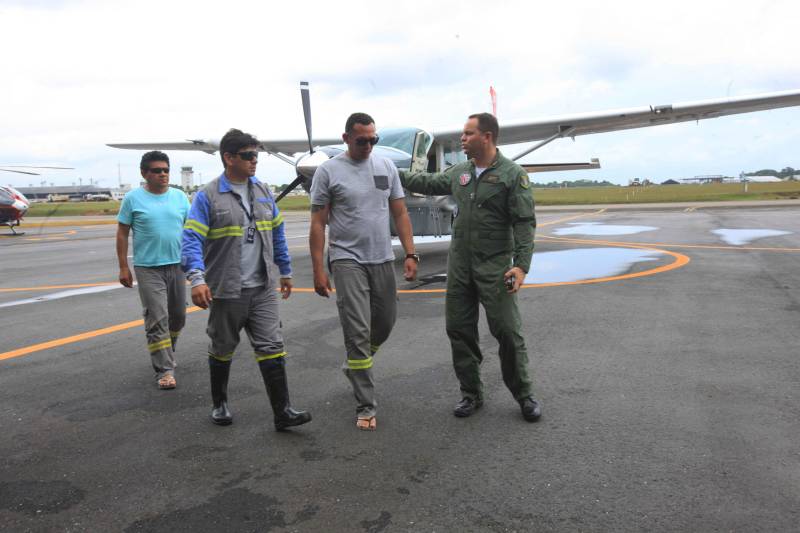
(80, 74)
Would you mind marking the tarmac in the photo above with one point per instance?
(669, 387)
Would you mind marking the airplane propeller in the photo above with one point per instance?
(306, 99)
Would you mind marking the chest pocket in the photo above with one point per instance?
(381, 182)
(263, 208)
(488, 190)
(222, 216)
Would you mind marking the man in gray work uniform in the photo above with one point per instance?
(355, 193)
(232, 236)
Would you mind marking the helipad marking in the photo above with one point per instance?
(669, 245)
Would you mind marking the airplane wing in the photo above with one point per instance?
(553, 167)
(15, 168)
(625, 119)
(290, 146)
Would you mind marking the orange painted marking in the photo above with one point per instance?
(680, 260)
(76, 338)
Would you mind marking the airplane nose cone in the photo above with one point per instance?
(307, 164)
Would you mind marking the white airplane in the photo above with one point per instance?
(417, 150)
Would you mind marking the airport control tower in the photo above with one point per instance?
(187, 178)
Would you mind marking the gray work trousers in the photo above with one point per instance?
(366, 296)
(162, 290)
(256, 310)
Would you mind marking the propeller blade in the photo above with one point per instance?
(304, 95)
(292, 186)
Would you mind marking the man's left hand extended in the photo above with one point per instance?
(286, 287)
(410, 269)
(519, 278)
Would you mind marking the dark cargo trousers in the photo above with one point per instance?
(162, 290)
(257, 312)
(366, 296)
(465, 289)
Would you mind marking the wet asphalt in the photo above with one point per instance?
(670, 398)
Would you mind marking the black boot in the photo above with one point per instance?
(274, 373)
(219, 371)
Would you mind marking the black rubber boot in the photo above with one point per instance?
(274, 373)
(219, 371)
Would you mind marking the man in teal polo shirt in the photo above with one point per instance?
(156, 212)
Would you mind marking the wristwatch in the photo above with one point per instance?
(415, 257)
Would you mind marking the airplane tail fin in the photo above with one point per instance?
(493, 94)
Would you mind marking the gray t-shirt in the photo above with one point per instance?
(358, 193)
(253, 269)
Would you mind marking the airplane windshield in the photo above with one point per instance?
(398, 138)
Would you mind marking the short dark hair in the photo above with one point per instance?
(233, 141)
(487, 123)
(357, 118)
(149, 157)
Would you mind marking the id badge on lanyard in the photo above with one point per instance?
(251, 230)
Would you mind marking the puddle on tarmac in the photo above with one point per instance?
(585, 263)
(738, 237)
(596, 228)
(62, 294)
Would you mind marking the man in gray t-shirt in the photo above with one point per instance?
(355, 193)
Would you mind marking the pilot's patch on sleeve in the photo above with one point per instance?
(524, 182)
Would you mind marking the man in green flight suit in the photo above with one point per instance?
(490, 254)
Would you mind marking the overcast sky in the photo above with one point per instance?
(79, 74)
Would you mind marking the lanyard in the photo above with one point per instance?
(250, 214)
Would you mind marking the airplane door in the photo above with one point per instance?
(419, 154)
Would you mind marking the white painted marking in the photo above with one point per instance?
(63, 294)
(738, 237)
(585, 263)
(596, 228)
(424, 240)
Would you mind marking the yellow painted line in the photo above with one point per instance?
(76, 338)
(63, 223)
(52, 236)
(567, 219)
(670, 245)
(55, 287)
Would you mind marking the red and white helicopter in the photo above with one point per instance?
(13, 204)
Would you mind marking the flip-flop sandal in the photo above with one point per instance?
(167, 382)
(367, 424)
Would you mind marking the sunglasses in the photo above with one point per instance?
(158, 170)
(363, 141)
(248, 156)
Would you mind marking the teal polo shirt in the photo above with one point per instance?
(157, 224)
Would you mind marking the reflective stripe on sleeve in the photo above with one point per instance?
(196, 226)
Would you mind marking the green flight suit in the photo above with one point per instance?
(493, 230)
